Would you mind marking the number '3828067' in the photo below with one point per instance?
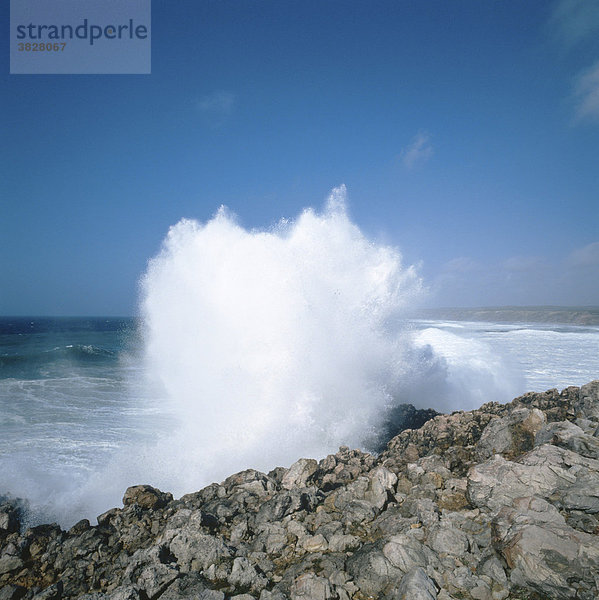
(41, 47)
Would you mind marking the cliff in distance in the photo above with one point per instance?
(497, 503)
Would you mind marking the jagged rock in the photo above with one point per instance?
(9, 564)
(511, 435)
(146, 496)
(446, 539)
(544, 553)
(405, 552)
(9, 518)
(372, 572)
(244, 575)
(149, 570)
(52, 592)
(545, 471)
(310, 587)
(12, 592)
(586, 403)
(568, 435)
(299, 473)
(195, 551)
(416, 585)
(191, 585)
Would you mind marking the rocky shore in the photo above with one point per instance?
(496, 503)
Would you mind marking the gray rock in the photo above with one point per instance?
(423, 516)
(244, 575)
(416, 585)
(274, 594)
(191, 587)
(547, 471)
(381, 483)
(54, 592)
(197, 551)
(147, 571)
(125, 592)
(299, 473)
(12, 592)
(586, 406)
(9, 518)
(340, 542)
(544, 553)
(315, 543)
(371, 571)
(10, 563)
(286, 503)
(405, 552)
(311, 587)
(568, 435)
(146, 496)
(511, 435)
(445, 539)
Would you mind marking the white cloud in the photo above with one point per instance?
(418, 152)
(217, 107)
(574, 24)
(461, 264)
(585, 256)
(570, 280)
(573, 21)
(522, 263)
(586, 90)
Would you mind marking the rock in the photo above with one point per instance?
(245, 575)
(196, 551)
(299, 473)
(372, 572)
(310, 587)
(545, 471)
(150, 571)
(342, 542)
(191, 586)
(125, 592)
(586, 405)
(405, 552)
(511, 435)
(380, 487)
(10, 518)
(445, 539)
(146, 496)
(568, 435)
(416, 585)
(12, 592)
(544, 553)
(315, 543)
(10, 563)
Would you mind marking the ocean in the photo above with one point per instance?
(80, 419)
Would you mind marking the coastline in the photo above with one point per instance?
(491, 504)
(564, 315)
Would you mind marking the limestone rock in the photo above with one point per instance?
(416, 585)
(299, 473)
(146, 496)
(544, 553)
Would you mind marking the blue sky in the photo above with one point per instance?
(467, 134)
